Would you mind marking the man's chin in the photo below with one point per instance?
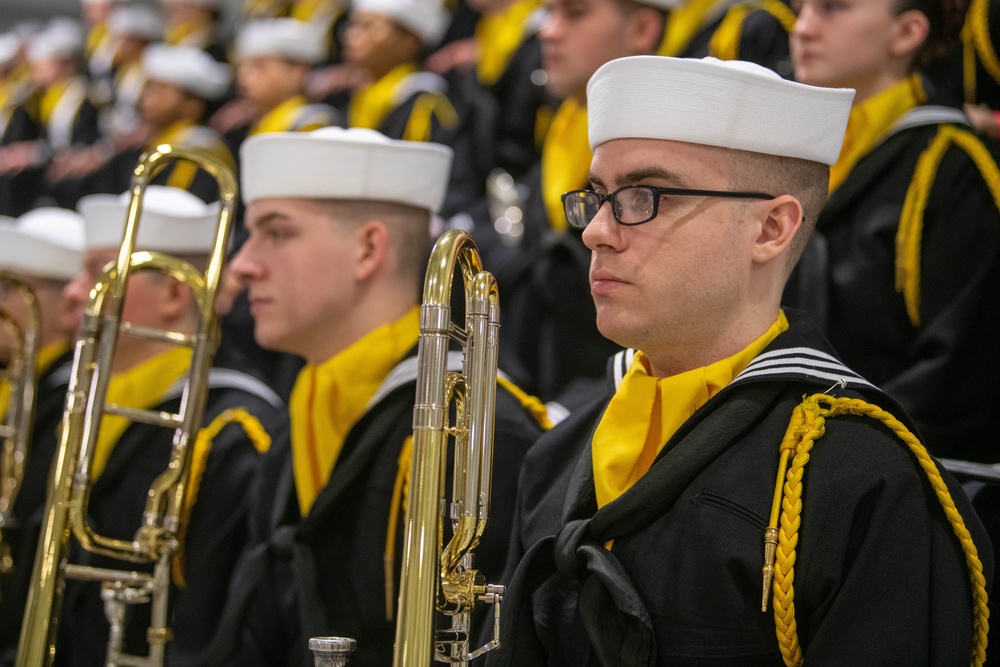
(614, 332)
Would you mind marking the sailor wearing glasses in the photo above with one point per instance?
(737, 496)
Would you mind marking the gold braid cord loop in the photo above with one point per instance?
(911, 221)
(977, 41)
(199, 460)
(808, 424)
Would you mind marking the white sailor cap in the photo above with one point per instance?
(291, 39)
(46, 242)
(732, 104)
(188, 68)
(137, 21)
(10, 46)
(172, 221)
(334, 163)
(427, 19)
(60, 39)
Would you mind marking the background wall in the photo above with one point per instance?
(13, 11)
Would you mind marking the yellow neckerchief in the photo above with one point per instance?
(50, 99)
(189, 34)
(176, 33)
(310, 11)
(370, 106)
(126, 70)
(683, 24)
(329, 398)
(95, 36)
(566, 158)
(263, 9)
(870, 120)
(182, 173)
(14, 91)
(48, 355)
(143, 386)
(22, 75)
(498, 36)
(44, 359)
(280, 118)
(646, 411)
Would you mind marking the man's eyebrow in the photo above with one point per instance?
(638, 176)
(266, 219)
(653, 173)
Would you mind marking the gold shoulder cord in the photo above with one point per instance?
(910, 230)
(530, 403)
(202, 447)
(428, 106)
(725, 42)
(399, 497)
(807, 425)
(976, 41)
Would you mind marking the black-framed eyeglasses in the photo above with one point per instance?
(634, 204)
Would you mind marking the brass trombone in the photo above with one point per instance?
(15, 431)
(66, 507)
(439, 578)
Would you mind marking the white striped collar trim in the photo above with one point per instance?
(60, 376)
(556, 412)
(623, 360)
(406, 371)
(804, 362)
(219, 378)
(929, 114)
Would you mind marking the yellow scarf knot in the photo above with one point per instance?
(646, 411)
(329, 398)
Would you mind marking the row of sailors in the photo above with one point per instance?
(912, 202)
(905, 313)
(296, 524)
(498, 118)
(491, 103)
